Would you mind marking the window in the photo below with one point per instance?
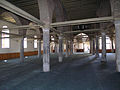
(108, 43)
(35, 42)
(5, 38)
(25, 42)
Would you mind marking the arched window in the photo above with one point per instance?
(5, 38)
(25, 42)
(35, 42)
(108, 43)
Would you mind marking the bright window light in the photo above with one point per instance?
(35, 42)
(25, 42)
(5, 38)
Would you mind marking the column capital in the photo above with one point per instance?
(117, 22)
(103, 33)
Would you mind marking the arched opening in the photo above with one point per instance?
(81, 43)
(8, 17)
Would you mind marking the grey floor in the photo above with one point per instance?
(77, 72)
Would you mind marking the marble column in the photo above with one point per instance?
(97, 46)
(60, 48)
(103, 47)
(46, 49)
(39, 49)
(22, 49)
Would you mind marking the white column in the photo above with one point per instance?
(97, 46)
(60, 48)
(103, 47)
(117, 27)
(46, 50)
(39, 49)
(22, 49)
(115, 7)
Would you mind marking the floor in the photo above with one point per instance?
(77, 72)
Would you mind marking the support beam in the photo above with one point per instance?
(84, 21)
(10, 7)
(82, 31)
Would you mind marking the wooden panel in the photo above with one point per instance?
(108, 51)
(7, 56)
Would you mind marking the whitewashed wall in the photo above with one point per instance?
(15, 42)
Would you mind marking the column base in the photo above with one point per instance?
(118, 65)
(66, 55)
(118, 68)
(46, 67)
(103, 62)
(97, 56)
(60, 59)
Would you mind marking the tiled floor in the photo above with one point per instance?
(78, 72)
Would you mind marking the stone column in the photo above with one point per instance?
(22, 49)
(39, 49)
(115, 7)
(60, 48)
(71, 47)
(91, 46)
(46, 49)
(97, 46)
(67, 49)
(103, 47)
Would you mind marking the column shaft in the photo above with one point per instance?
(55, 48)
(46, 50)
(22, 49)
(93, 46)
(117, 27)
(112, 45)
(60, 48)
(71, 47)
(104, 47)
(39, 48)
(67, 49)
(97, 46)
